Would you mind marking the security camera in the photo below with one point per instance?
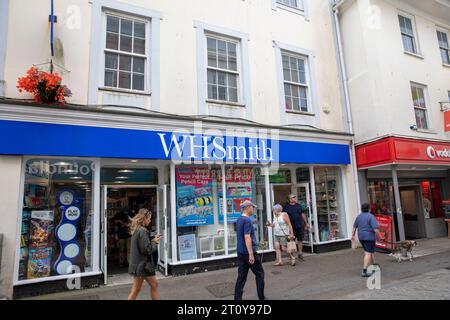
(413, 127)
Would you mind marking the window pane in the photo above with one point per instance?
(304, 105)
(296, 104)
(212, 77)
(125, 63)
(222, 93)
(110, 78)
(138, 82)
(112, 24)
(445, 54)
(139, 46)
(232, 58)
(111, 60)
(221, 78)
(139, 29)
(139, 65)
(286, 68)
(222, 54)
(212, 44)
(287, 90)
(233, 96)
(112, 41)
(301, 71)
(408, 44)
(232, 80)
(408, 25)
(294, 67)
(212, 59)
(288, 102)
(125, 43)
(125, 80)
(212, 92)
(421, 119)
(232, 63)
(126, 27)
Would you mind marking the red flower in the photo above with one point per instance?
(45, 87)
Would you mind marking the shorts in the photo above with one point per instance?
(298, 234)
(368, 245)
(282, 240)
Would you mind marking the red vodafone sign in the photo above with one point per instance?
(419, 150)
(402, 150)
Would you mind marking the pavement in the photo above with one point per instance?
(329, 276)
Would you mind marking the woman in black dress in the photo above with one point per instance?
(141, 265)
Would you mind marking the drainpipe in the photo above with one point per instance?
(348, 115)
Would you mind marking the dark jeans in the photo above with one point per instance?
(257, 270)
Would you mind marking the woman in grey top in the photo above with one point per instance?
(141, 265)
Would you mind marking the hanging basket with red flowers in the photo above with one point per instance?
(45, 87)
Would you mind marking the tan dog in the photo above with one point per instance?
(404, 246)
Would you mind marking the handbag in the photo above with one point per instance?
(290, 242)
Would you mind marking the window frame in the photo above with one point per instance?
(96, 92)
(238, 72)
(425, 109)
(243, 109)
(146, 56)
(300, 11)
(414, 35)
(306, 85)
(447, 33)
(95, 203)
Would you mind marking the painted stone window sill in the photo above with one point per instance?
(426, 131)
(225, 103)
(416, 55)
(117, 90)
(293, 10)
(301, 113)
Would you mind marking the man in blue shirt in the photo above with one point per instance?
(246, 250)
(298, 219)
(367, 227)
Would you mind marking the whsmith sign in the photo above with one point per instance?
(47, 139)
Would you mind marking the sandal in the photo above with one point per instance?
(292, 261)
(278, 264)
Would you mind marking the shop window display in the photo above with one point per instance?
(56, 233)
(381, 197)
(199, 201)
(329, 197)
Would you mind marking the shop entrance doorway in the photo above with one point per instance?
(119, 204)
(280, 193)
(412, 214)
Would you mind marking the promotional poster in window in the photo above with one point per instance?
(195, 205)
(239, 189)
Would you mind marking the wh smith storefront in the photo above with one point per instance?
(68, 171)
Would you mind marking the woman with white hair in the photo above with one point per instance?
(283, 232)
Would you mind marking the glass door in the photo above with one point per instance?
(304, 198)
(104, 233)
(163, 221)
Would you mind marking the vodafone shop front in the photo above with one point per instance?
(408, 179)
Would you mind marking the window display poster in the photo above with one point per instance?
(187, 247)
(239, 189)
(39, 263)
(41, 228)
(194, 196)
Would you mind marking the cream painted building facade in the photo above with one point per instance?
(153, 82)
